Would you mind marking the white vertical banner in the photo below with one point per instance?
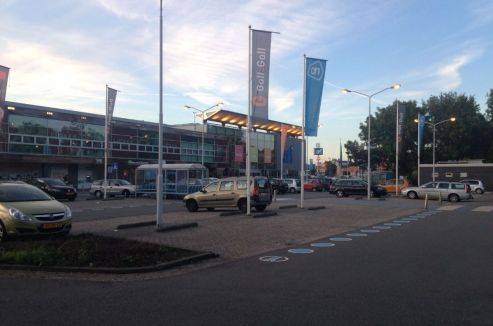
(110, 107)
(4, 78)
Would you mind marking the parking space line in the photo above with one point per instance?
(450, 208)
(486, 209)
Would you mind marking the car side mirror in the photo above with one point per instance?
(203, 190)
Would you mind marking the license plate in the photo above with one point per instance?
(48, 226)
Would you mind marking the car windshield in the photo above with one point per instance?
(54, 182)
(123, 182)
(18, 192)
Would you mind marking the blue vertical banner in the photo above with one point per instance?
(314, 85)
(421, 127)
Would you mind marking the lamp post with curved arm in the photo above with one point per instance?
(370, 96)
(202, 113)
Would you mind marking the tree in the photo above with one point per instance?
(489, 106)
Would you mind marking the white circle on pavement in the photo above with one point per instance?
(381, 227)
(369, 231)
(273, 259)
(357, 234)
(392, 224)
(300, 251)
(322, 244)
(340, 239)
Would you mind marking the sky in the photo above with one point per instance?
(63, 53)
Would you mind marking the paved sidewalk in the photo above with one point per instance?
(242, 236)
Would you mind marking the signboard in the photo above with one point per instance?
(318, 151)
(115, 166)
(267, 155)
(239, 153)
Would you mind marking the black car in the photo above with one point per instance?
(342, 188)
(56, 188)
(279, 185)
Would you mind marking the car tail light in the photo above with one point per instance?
(255, 191)
(468, 188)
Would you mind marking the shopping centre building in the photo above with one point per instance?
(38, 141)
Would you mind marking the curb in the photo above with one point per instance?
(288, 206)
(114, 270)
(315, 208)
(134, 225)
(173, 227)
(268, 214)
(107, 199)
(232, 213)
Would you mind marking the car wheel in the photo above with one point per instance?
(126, 193)
(192, 205)
(412, 195)
(98, 194)
(3, 232)
(292, 190)
(242, 205)
(340, 193)
(260, 208)
(210, 209)
(479, 191)
(453, 198)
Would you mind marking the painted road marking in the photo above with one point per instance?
(483, 209)
(402, 221)
(301, 251)
(273, 259)
(450, 208)
(340, 239)
(410, 218)
(392, 224)
(357, 234)
(381, 227)
(322, 244)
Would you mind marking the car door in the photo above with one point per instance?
(209, 195)
(429, 188)
(443, 190)
(226, 194)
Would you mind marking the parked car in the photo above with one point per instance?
(294, 185)
(451, 191)
(113, 187)
(391, 187)
(279, 185)
(345, 187)
(26, 210)
(313, 185)
(231, 192)
(54, 187)
(476, 185)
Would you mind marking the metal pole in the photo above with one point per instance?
(419, 153)
(302, 174)
(369, 147)
(397, 150)
(434, 127)
(105, 183)
(203, 123)
(249, 122)
(159, 181)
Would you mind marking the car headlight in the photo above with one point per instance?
(68, 212)
(18, 215)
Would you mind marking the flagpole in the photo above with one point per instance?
(282, 155)
(302, 174)
(105, 184)
(249, 122)
(419, 149)
(397, 150)
(159, 180)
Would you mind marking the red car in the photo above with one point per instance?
(313, 185)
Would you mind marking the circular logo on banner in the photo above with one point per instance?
(273, 259)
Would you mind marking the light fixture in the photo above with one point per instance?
(452, 119)
(396, 86)
(11, 108)
(49, 113)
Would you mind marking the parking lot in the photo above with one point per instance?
(240, 235)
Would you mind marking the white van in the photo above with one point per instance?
(294, 185)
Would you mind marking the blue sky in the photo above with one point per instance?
(63, 53)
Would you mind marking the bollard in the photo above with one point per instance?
(274, 198)
(440, 198)
(426, 201)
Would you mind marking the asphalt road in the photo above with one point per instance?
(431, 270)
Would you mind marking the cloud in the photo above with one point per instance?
(448, 75)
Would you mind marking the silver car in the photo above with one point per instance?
(294, 185)
(113, 187)
(476, 185)
(451, 191)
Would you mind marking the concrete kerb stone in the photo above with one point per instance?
(114, 270)
(314, 208)
(107, 199)
(232, 213)
(174, 227)
(135, 225)
(266, 214)
(288, 206)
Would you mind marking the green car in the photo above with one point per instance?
(27, 210)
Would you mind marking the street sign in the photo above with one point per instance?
(318, 151)
(115, 166)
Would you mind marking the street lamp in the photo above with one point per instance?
(434, 125)
(202, 113)
(345, 91)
